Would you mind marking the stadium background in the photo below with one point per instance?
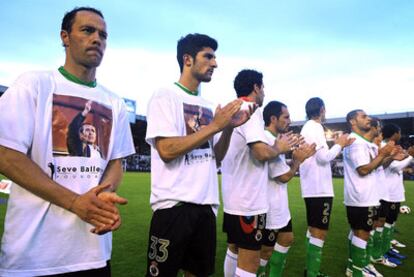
(130, 242)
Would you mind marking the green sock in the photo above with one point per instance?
(392, 233)
(386, 240)
(261, 272)
(350, 253)
(358, 256)
(370, 246)
(376, 250)
(277, 264)
(307, 243)
(313, 260)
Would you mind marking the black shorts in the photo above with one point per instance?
(98, 272)
(182, 237)
(360, 218)
(270, 236)
(245, 231)
(383, 209)
(394, 210)
(376, 213)
(318, 211)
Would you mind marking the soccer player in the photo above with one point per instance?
(54, 203)
(394, 178)
(244, 181)
(374, 243)
(184, 185)
(278, 235)
(361, 159)
(316, 182)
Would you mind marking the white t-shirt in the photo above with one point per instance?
(382, 184)
(192, 177)
(278, 215)
(244, 179)
(315, 172)
(394, 177)
(39, 237)
(360, 191)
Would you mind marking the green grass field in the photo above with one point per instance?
(130, 242)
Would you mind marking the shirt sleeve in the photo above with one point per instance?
(123, 142)
(253, 129)
(325, 155)
(161, 118)
(277, 167)
(397, 166)
(17, 114)
(359, 155)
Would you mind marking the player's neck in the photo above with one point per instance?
(86, 75)
(272, 131)
(188, 82)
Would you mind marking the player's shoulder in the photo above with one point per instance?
(35, 76)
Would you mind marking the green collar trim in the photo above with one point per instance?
(186, 90)
(267, 130)
(75, 79)
(361, 137)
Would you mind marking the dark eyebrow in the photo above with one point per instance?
(209, 55)
(103, 32)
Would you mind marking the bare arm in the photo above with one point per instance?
(264, 152)
(299, 156)
(23, 171)
(170, 148)
(383, 153)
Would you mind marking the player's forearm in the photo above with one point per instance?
(221, 147)
(264, 152)
(170, 148)
(290, 174)
(368, 168)
(27, 174)
(113, 174)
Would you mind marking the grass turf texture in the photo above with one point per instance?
(130, 242)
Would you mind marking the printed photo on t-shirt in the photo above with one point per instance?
(80, 127)
(196, 117)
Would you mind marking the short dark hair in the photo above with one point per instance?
(375, 121)
(245, 81)
(191, 44)
(389, 130)
(313, 107)
(272, 108)
(69, 17)
(352, 115)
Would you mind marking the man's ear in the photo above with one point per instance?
(188, 60)
(64, 36)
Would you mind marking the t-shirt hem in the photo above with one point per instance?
(13, 145)
(52, 271)
(243, 213)
(317, 195)
(278, 226)
(362, 205)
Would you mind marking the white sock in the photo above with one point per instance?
(263, 262)
(230, 264)
(281, 249)
(350, 235)
(242, 273)
(359, 242)
(316, 241)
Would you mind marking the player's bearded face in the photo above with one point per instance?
(204, 65)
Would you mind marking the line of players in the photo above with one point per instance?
(189, 141)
